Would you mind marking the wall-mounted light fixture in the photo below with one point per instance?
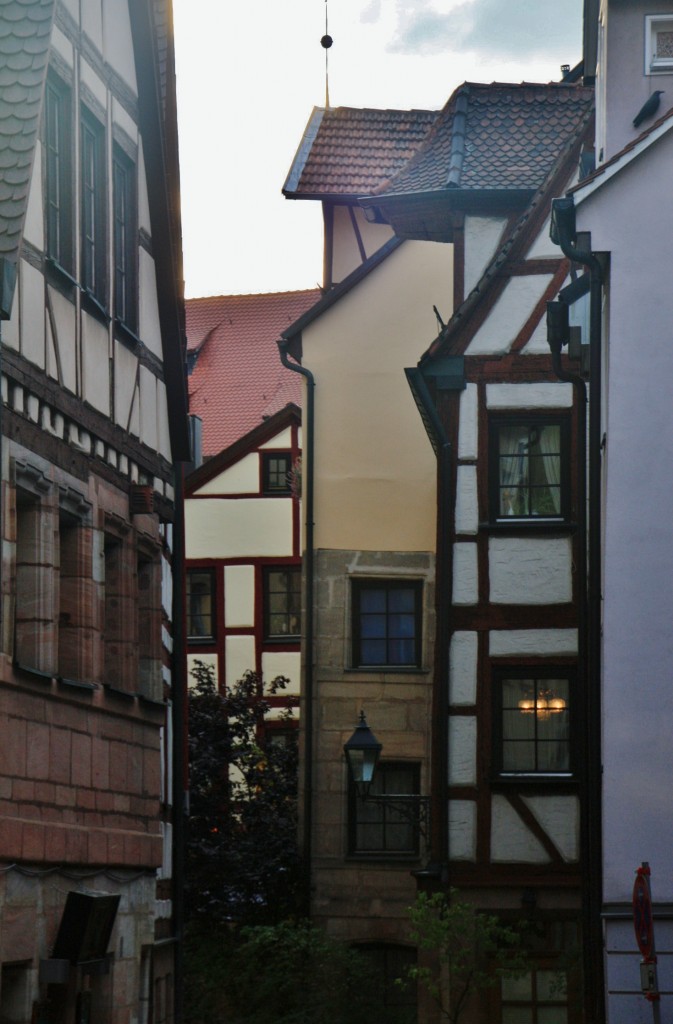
(544, 704)
(362, 752)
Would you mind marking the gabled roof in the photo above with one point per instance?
(259, 435)
(349, 151)
(237, 378)
(25, 34)
(491, 144)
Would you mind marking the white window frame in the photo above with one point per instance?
(655, 23)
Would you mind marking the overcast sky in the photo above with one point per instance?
(250, 73)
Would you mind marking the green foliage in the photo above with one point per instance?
(471, 949)
(242, 862)
(288, 973)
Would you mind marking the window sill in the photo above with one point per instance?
(125, 334)
(76, 684)
(393, 859)
(529, 525)
(93, 306)
(60, 277)
(388, 670)
(36, 673)
(200, 641)
(279, 641)
(114, 691)
(545, 779)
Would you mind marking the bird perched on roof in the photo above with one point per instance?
(649, 108)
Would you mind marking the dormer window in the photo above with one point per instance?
(658, 44)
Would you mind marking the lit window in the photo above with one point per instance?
(200, 605)
(276, 472)
(529, 469)
(387, 623)
(282, 603)
(380, 828)
(532, 721)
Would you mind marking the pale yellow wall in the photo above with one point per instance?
(375, 477)
(239, 654)
(240, 478)
(245, 527)
(207, 659)
(239, 596)
(345, 250)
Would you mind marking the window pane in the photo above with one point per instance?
(517, 1015)
(401, 652)
(529, 469)
(199, 604)
(373, 626)
(373, 652)
(386, 623)
(518, 988)
(401, 600)
(551, 986)
(282, 602)
(552, 1015)
(372, 600)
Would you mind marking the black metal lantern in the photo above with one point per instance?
(362, 754)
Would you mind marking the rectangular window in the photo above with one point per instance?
(276, 468)
(658, 44)
(282, 603)
(58, 171)
(200, 605)
(124, 239)
(533, 716)
(529, 471)
(92, 272)
(379, 827)
(387, 623)
(537, 997)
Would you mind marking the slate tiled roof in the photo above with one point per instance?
(350, 151)
(237, 378)
(493, 136)
(25, 33)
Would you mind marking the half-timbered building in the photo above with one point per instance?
(93, 420)
(467, 537)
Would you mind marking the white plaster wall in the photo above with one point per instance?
(125, 370)
(240, 478)
(283, 663)
(528, 642)
(463, 668)
(239, 595)
(465, 574)
(33, 230)
(150, 331)
(90, 78)
(64, 318)
(462, 750)
(508, 316)
(468, 429)
(467, 504)
(124, 120)
(529, 396)
(346, 253)
(148, 408)
(511, 840)
(239, 657)
(559, 816)
(462, 830)
(629, 219)
(207, 659)
(525, 570)
(543, 247)
(537, 343)
(482, 235)
(281, 440)
(32, 314)
(118, 49)
(253, 528)
(92, 22)
(95, 364)
(143, 199)
(62, 45)
(163, 425)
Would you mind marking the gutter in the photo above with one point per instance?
(308, 432)
(563, 233)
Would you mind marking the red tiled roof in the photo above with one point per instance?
(351, 151)
(495, 136)
(237, 379)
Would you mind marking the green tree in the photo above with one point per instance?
(242, 862)
(471, 950)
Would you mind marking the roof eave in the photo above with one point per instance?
(428, 216)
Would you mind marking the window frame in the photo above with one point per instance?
(197, 639)
(379, 788)
(294, 569)
(267, 487)
(655, 23)
(530, 419)
(124, 248)
(93, 201)
(58, 176)
(358, 587)
(539, 673)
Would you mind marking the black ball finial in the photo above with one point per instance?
(326, 42)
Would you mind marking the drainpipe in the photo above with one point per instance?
(563, 233)
(307, 497)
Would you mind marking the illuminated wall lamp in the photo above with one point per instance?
(546, 704)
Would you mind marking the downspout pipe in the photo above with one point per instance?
(564, 234)
(308, 436)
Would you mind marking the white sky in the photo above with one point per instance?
(251, 71)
